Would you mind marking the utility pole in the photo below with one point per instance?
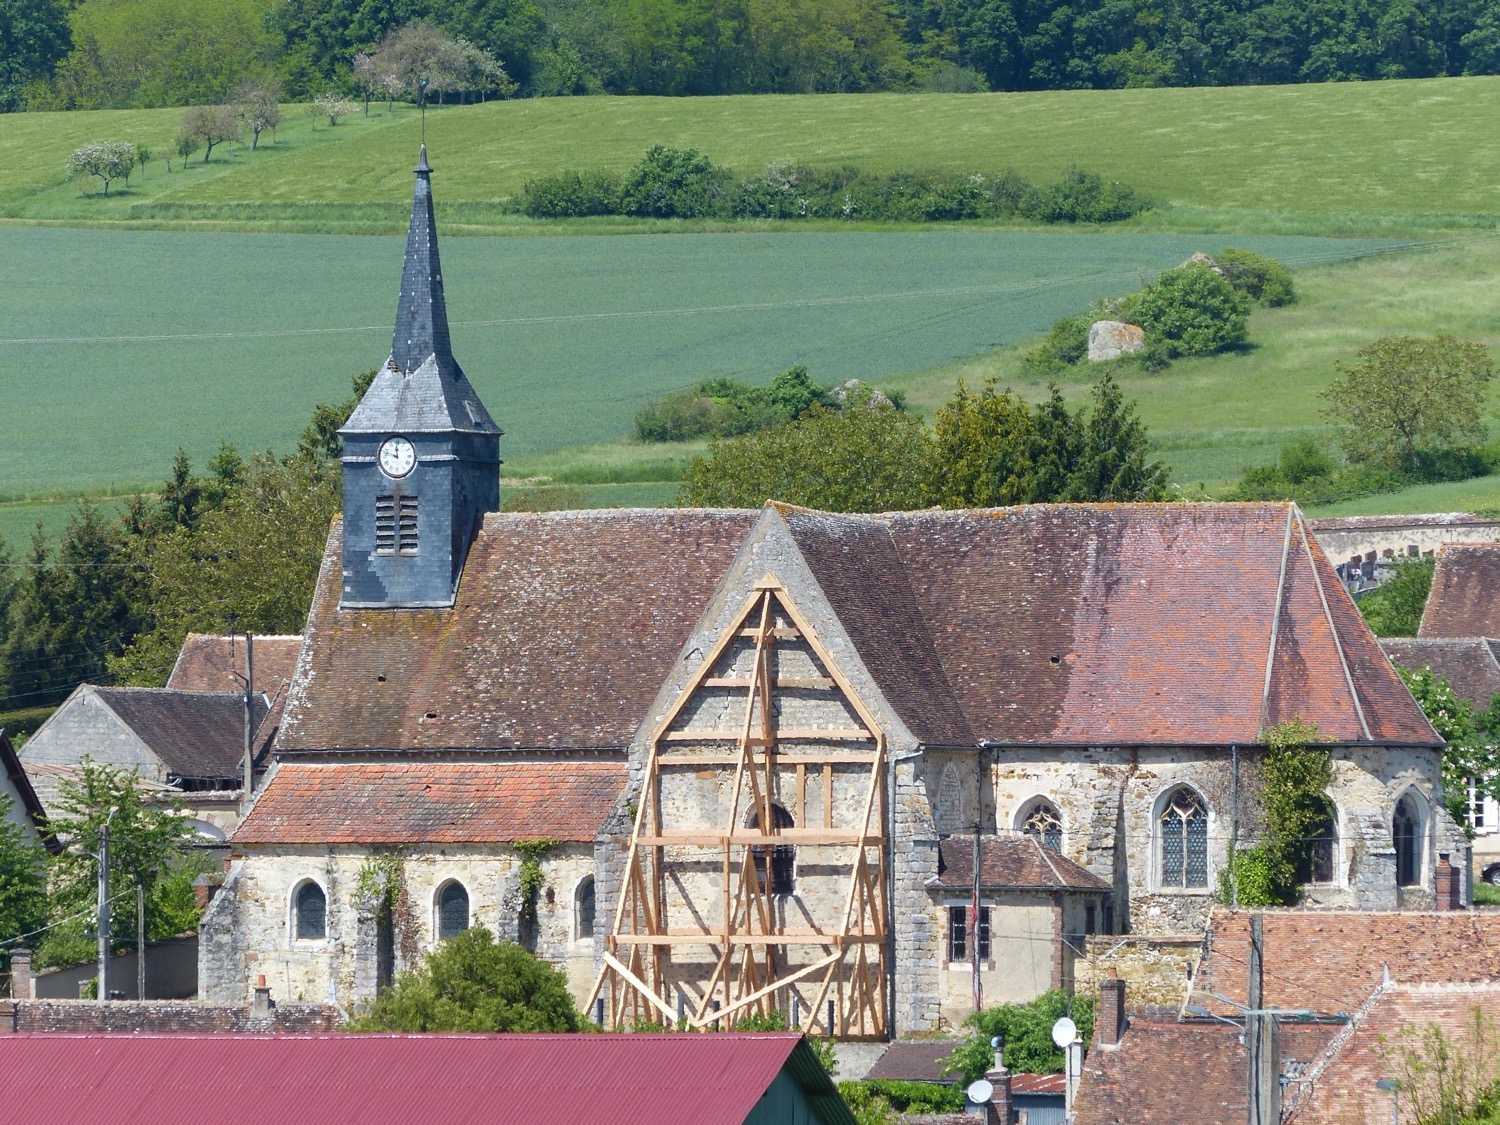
(1262, 1039)
(104, 910)
(248, 788)
(140, 941)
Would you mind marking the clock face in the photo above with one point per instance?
(397, 457)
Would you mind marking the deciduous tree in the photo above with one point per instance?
(1410, 397)
(258, 102)
(474, 983)
(211, 125)
(23, 881)
(105, 160)
(332, 105)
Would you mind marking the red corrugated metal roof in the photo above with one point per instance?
(396, 1079)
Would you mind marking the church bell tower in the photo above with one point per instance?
(421, 453)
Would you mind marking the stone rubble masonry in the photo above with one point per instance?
(153, 1017)
(1154, 972)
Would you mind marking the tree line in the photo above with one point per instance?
(112, 53)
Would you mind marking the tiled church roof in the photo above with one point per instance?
(564, 629)
(1464, 602)
(433, 803)
(1071, 625)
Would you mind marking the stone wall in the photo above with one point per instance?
(84, 726)
(1156, 971)
(248, 930)
(94, 1017)
(1110, 803)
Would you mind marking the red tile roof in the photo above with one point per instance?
(1120, 624)
(1011, 862)
(1331, 961)
(1171, 1073)
(565, 626)
(345, 1079)
(1470, 664)
(1053, 624)
(1039, 1084)
(432, 802)
(1340, 1086)
(209, 662)
(1465, 598)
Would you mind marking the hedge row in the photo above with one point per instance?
(683, 184)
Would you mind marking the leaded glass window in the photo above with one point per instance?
(1317, 864)
(453, 911)
(311, 912)
(1406, 835)
(585, 909)
(1184, 841)
(1043, 823)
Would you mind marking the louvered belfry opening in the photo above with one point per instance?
(396, 525)
(767, 760)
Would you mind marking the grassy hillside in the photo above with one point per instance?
(1337, 157)
(131, 343)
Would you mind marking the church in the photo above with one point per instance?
(855, 769)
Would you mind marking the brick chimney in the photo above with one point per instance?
(1449, 884)
(22, 986)
(1111, 1021)
(1000, 1100)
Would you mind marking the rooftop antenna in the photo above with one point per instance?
(422, 104)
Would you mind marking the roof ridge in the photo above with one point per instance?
(1265, 694)
(1330, 1052)
(1047, 859)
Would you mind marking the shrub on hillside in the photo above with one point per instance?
(1084, 197)
(570, 195)
(672, 183)
(727, 407)
(1264, 280)
(1191, 310)
(1066, 344)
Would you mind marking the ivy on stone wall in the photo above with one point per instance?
(532, 880)
(379, 882)
(1295, 776)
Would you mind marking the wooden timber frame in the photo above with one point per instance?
(841, 968)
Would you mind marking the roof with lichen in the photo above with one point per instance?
(1465, 597)
(1177, 624)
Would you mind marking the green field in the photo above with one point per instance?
(1325, 158)
(119, 346)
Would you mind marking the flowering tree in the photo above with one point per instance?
(108, 160)
(1472, 755)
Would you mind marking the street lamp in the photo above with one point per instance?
(1392, 1087)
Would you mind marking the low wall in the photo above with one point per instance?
(94, 1016)
(1156, 970)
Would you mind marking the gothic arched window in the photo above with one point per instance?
(949, 813)
(453, 910)
(776, 867)
(1044, 824)
(1317, 863)
(583, 909)
(310, 912)
(1184, 840)
(1406, 834)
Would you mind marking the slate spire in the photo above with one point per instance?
(422, 314)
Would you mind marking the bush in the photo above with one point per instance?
(1303, 460)
(727, 408)
(571, 195)
(672, 183)
(1066, 344)
(1395, 608)
(1191, 310)
(1083, 197)
(1027, 1032)
(1264, 280)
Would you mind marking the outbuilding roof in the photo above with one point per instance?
(194, 733)
(432, 802)
(1470, 664)
(346, 1079)
(1092, 624)
(1465, 598)
(1017, 862)
(212, 662)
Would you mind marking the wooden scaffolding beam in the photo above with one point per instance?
(754, 955)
